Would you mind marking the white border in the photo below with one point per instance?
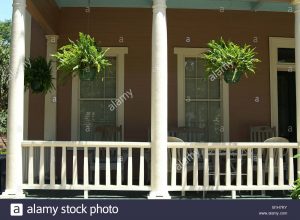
(182, 53)
(274, 44)
(119, 53)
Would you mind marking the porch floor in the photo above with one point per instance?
(136, 195)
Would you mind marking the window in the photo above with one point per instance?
(95, 98)
(286, 55)
(91, 99)
(202, 104)
(202, 101)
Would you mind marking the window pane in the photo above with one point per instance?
(202, 92)
(92, 89)
(190, 88)
(202, 111)
(110, 87)
(191, 114)
(215, 121)
(111, 70)
(94, 114)
(286, 55)
(190, 67)
(201, 68)
(214, 89)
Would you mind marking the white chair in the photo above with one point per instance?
(261, 133)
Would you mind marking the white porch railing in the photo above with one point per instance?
(126, 166)
(232, 166)
(82, 165)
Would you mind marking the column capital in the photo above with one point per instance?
(52, 38)
(19, 3)
(296, 2)
(159, 4)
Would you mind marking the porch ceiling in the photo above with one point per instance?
(254, 5)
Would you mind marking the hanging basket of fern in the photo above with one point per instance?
(229, 61)
(38, 75)
(83, 57)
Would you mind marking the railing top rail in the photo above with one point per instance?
(85, 144)
(233, 145)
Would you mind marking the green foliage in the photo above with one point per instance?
(296, 190)
(3, 151)
(231, 59)
(81, 56)
(38, 76)
(4, 74)
(5, 29)
(3, 121)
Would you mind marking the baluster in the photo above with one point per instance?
(196, 168)
(119, 167)
(217, 167)
(97, 166)
(174, 167)
(52, 166)
(206, 168)
(86, 167)
(184, 168)
(280, 167)
(42, 166)
(130, 167)
(107, 166)
(228, 168)
(30, 169)
(75, 167)
(249, 167)
(271, 166)
(142, 167)
(259, 167)
(291, 167)
(239, 167)
(63, 167)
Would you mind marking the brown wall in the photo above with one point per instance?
(36, 101)
(107, 25)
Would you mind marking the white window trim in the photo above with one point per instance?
(274, 44)
(119, 53)
(182, 53)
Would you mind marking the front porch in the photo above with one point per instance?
(71, 157)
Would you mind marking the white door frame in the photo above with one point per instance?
(275, 66)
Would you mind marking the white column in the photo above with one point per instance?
(16, 103)
(50, 97)
(159, 102)
(297, 48)
(27, 54)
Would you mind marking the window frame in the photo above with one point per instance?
(119, 53)
(182, 54)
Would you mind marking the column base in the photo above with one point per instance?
(159, 195)
(11, 194)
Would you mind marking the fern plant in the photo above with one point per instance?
(38, 75)
(83, 57)
(296, 190)
(230, 60)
